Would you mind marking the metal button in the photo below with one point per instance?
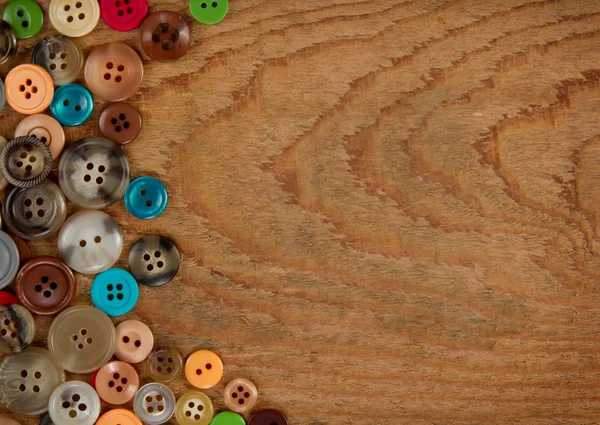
(45, 128)
(17, 328)
(164, 364)
(194, 408)
(121, 123)
(60, 56)
(165, 36)
(74, 403)
(74, 18)
(154, 404)
(9, 260)
(25, 161)
(154, 260)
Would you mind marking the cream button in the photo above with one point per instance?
(74, 18)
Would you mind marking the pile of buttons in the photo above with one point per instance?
(93, 173)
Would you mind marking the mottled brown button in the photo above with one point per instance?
(165, 36)
(240, 395)
(121, 123)
(268, 417)
(45, 285)
(23, 247)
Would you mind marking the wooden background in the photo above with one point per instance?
(387, 209)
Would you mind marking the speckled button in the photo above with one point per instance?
(74, 403)
(17, 328)
(268, 417)
(9, 260)
(194, 408)
(165, 36)
(29, 89)
(121, 123)
(154, 260)
(44, 128)
(28, 379)
(82, 338)
(117, 382)
(3, 181)
(24, 16)
(115, 292)
(134, 341)
(240, 395)
(154, 404)
(119, 417)
(113, 71)
(228, 418)
(209, 11)
(23, 247)
(123, 15)
(203, 369)
(8, 298)
(60, 56)
(93, 172)
(25, 161)
(146, 198)
(74, 18)
(72, 105)
(8, 43)
(164, 364)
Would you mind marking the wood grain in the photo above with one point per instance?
(388, 210)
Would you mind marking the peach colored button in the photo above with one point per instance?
(134, 341)
(117, 382)
(8, 421)
(29, 89)
(240, 395)
(203, 369)
(118, 417)
(45, 128)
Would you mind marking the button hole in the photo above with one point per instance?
(69, 19)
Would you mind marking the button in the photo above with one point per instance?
(134, 341)
(72, 105)
(115, 292)
(29, 89)
(45, 285)
(117, 382)
(203, 369)
(121, 123)
(7, 421)
(228, 418)
(154, 404)
(146, 198)
(9, 260)
(28, 381)
(165, 36)
(46, 420)
(93, 172)
(194, 408)
(25, 161)
(209, 11)
(74, 403)
(8, 43)
(74, 18)
(3, 181)
(268, 417)
(2, 95)
(93, 379)
(24, 249)
(90, 241)
(60, 56)
(45, 128)
(240, 395)
(8, 298)
(82, 338)
(118, 417)
(17, 328)
(154, 260)
(164, 364)
(36, 212)
(24, 16)
(123, 15)
(113, 71)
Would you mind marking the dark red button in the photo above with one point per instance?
(8, 298)
(23, 247)
(268, 417)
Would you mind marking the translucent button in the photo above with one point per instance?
(165, 36)
(17, 328)
(115, 292)
(203, 369)
(240, 395)
(60, 56)
(74, 403)
(194, 408)
(29, 89)
(164, 364)
(154, 260)
(121, 123)
(268, 417)
(25, 161)
(154, 404)
(24, 16)
(119, 417)
(117, 382)
(228, 418)
(123, 15)
(72, 105)
(9, 260)
(74, 18)
(146, 198)
(134, 341)
(8, 43)
(209, 11)
(44, 128)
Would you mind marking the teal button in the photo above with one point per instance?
(209, 11)
(228, 418)
(24, 16)
(72, 105)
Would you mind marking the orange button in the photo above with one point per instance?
(203, 369)
(118, 417)
(29, 89)
(117, 382)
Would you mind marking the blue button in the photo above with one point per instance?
(115, 292)
(72, 105)
(146, 197)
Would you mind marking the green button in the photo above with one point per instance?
(24, 16)
(228, 418)
(209, 11)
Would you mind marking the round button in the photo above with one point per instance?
(134, 341)
(8, 298)
(154, 260)
(46, 420)
(9, 260)
(118, 417)
(93, 172)
(121, 123)
(45, 285)
(74, 403)
(164, 364)
(117, 382)
(17, 328)
(203, 369)
(72, 105)
(82, 338)
(3, 181)
(146, 198)
(25, 161)
(123, 15)
(209, 11)
(36, 212)
(93, 379)
(60, 56)
(113, 71)
(194, 408)
(228, 418)
(74, 18)
(268, 417)
(7, 421)
(115, 292)
(240, 395)
(8, 43)
(29, 89)
(24, 16)
(154, 404)
(23, 247)
(44, 128)
(90, 241)
(165, 36)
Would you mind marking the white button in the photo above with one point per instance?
(74, 403)
(74, 18)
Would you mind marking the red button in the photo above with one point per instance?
(8, 298)
(123, 15)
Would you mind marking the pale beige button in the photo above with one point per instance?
(45, 128)
(240, 395)
(134, 341)
(74, 18)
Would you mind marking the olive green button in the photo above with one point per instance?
(24, 16)
(228, 418)
(209, 11)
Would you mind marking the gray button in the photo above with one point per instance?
(154, 404)
(8, 43)
(154, 260)
(9, 260)
(60, 56)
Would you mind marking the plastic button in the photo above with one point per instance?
(9, 260)
(29, 89)
(154, 260)
(209, 11)
(24, 249)
(154, 404)
(93, 379)
(74, 18)
(17, 328)
(45, 285)
(123, 15)
(119, 417)
(25, 161)
(28, 379)
(203, 369)
(268, 417)
(8, 298)
(228, 418)
(117, 382)
(46, 420)
(93, 172)
(7, 421)
(164, 364)
(134, 341)
(121, 123)
(74, 403)
(45, 128)
(36, 212)
(194, 408)
(2, 95)
(240, 395)
(24, 16)
(146, 198)
(90, 241)
(72, 105)
(60, 56)
(115, 292)
(165, 36)
(82, 338)
(3, 181)
(8, 43)
(113, 71)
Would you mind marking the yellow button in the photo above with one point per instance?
(74, 18)
(203, 369)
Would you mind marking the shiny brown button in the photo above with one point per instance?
(240, 395)
(45, 285)
(121, 123)
(268, 417)
(165, 36)
(23, 247)
(117, 382)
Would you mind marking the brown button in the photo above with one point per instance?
(121, 123)
(23, 247)
(165, 36)
(240, 395)
(268, 417)
(117, 382)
